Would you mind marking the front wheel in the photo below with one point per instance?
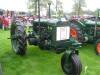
(71, 65)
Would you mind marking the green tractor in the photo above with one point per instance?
(48, 34)
(51, 35)
(87, 31)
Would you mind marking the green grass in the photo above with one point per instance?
(37, 62)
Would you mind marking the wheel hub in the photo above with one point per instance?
(73, 33)
(98, 47)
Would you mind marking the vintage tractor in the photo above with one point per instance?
(87, 31)
(51, 35)
(48, 35)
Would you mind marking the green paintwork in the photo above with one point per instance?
(50, 27)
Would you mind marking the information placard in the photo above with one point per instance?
(62, 33)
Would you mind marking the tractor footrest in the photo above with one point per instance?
(60, 50)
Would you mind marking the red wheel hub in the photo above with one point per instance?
(73, 33)
(98, 47)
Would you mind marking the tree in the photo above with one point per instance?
(77, 7)
(33, 5)
(88, 12)
(59, 8)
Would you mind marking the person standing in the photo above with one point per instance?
(0, 22)
(5, 23)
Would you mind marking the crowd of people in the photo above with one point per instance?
(4, 22)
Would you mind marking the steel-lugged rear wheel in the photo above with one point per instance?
(18, 39)
(71, 65)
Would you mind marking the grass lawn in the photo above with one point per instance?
(37, 62)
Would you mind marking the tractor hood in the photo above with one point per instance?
(50, 21)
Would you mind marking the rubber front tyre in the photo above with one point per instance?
(18, 39)
(97, 47)
(71, 65)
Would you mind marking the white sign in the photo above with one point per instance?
(62, 33)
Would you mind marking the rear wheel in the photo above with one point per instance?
(97, 47)
(18, 39)
(71, 65)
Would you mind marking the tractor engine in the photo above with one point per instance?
(50, 34)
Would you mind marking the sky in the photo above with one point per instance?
(90, 5)
(17, 5)
(21, 5)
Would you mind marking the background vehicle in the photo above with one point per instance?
(87, 30)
